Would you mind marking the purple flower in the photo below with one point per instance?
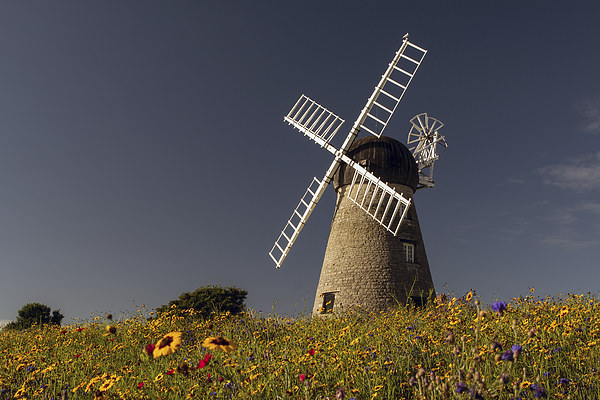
(564, 381)
(517, 349)
(499, 307)
(508, 355)
(461, 387)
(538, 391)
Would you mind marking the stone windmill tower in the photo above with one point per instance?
(365, 266)
(375, 256)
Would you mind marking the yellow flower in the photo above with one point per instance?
(93, 381)
(82, 384)
(167, 345)
(525, 384)
(111, 329)
(469, 296)
(563, 311)
(107, 385)
(113, 379)
(219, 343)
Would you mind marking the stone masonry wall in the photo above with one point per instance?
(365, 265)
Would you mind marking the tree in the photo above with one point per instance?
(209, 299)
(35, 313)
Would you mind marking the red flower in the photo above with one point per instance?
(209, 378)
(171, 371)
(220, 379)
(311, 352)
(63, 332)
(140, 385)
(77, 355)
(302, 377)
(201, 364)
(79, 329)
(150, 349)
(204, 362)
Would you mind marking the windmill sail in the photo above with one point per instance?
(321, 125)
(378, 199)
(296, 222)
(387, 94)
(313, 120)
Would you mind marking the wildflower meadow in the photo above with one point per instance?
(525, 348)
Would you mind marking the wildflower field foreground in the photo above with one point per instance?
(528, 348)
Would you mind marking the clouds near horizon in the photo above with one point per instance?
(590, 109)
(579, 174)
(573, 227)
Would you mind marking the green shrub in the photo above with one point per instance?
(209, 299)
(35, 313)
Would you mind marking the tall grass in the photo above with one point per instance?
(450, 349)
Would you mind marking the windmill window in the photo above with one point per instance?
(328, 299)
(409, 252)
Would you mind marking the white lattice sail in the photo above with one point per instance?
(296, 222)
(391, 88)
(378, 199)
(381, 201)
(314, 120)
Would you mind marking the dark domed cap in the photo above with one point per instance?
(384, 157)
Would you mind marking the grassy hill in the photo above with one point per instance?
(452, 349)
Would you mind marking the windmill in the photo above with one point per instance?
(383, 203)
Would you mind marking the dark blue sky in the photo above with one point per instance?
(143, 152)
